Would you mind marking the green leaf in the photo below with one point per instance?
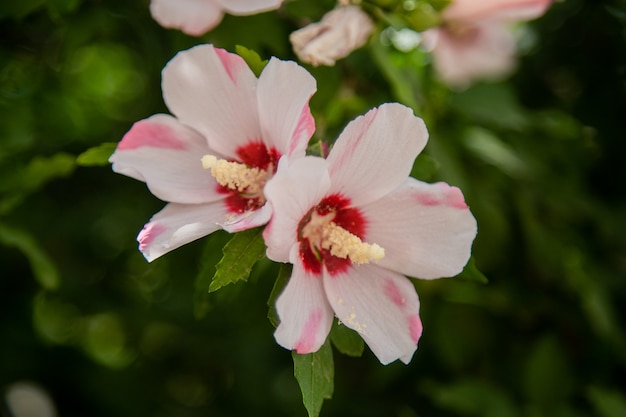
(240, 254)
(471, 273)
(315, 373)
(253, 59)
(491, 104)
(607, 402)
(346, 340)
(279, 285)
(97, 156)
(404, 82)
(494, 151)
(44, 269)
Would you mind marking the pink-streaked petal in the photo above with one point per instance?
(426, 230)
(297, 186)
(167, 156)
(484, 50)
(283, 97)
(247, 7)
(214, 92)
(375, 152)
(510, 10)
(305, 315)
(194, 17)
(381, 305)
(177, 225)
(248, 220)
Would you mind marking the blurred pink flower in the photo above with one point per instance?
(341, 31)
(475, 40)
(196, 17)
(353, 225)
(211, 159)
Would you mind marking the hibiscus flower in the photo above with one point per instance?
(196, 17)
(475, 40)
(211, 159)
(353, 225)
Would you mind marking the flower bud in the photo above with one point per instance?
(421, 16)
(340, 32)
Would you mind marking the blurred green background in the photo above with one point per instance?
(540, 158)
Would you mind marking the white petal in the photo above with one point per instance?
(214, 92)
(247, 220)
(194, 17)
(426, 230)
(485, 50)
(305, 315)
(381, 305)
(296, 187)
(511, 10)
(177, 225)
(283, 94)
(375, 152)
(246, 7)
(167, 156)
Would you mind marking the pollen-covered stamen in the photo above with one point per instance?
(236, 176)
(323, 233)
(344, 244)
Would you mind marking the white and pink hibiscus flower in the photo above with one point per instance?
(353, 225)
(475, 40)
(212, 158)
(196, 17)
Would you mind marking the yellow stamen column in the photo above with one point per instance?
(344, 244)
(323, 233)
(235, 175)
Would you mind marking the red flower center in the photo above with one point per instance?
(334, 208)
(253, 155)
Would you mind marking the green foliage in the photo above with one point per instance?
(21, 181)
(346, 340)
(494, 104)
(208, 261)
(607, 402)
(546, 374)
(240, 254)
(252, 58)
(315, 373)
(421, 16)
(538, 156)
(279, 285)
(425, 167)
(472, 273)
(472, 398)
(19, 9)
(43, 267)
(97, 156)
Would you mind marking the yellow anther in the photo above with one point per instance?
(235, 175)
(344, 244)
